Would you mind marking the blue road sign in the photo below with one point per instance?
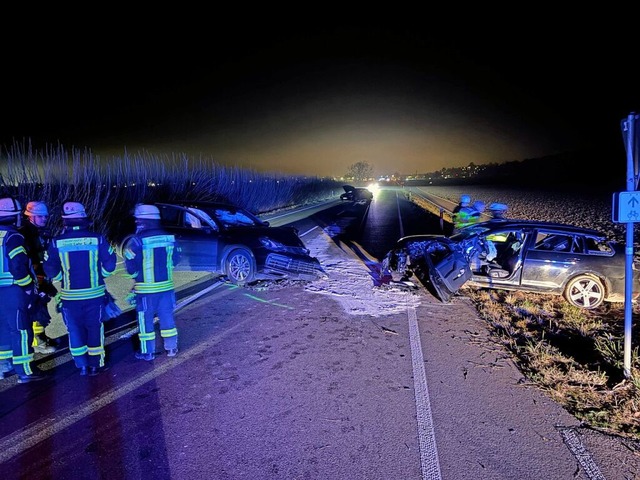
(626, 207)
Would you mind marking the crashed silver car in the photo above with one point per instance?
(582, 265)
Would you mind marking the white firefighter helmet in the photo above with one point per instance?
(9, 206)
(479, 206)
(73, 210)
(498, 207)
(36, 208)
(146, 212)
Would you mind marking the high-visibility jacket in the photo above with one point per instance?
(150, 257)
(463, 217)
(15, 267)
(80, 259)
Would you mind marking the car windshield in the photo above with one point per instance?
(468, 232)
(233, 217)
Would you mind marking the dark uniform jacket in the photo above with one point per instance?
(80, 259)
(150, 256)
(15, 267)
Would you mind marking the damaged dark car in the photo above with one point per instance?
(356, 194)
(231, 241)
(582, 265)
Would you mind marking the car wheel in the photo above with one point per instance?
(585, 291)
(239, 267)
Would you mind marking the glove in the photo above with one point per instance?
(44, 298)
(58, 303)
(131, 299)
(111, 309)
(45, 286)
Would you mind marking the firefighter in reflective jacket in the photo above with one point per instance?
(81, 259)
(17, 293)
(37, 238)
(462, 213)
(150, 256)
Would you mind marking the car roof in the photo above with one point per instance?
(511, 223)
(198, 204)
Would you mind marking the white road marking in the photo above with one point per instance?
(583, 456)
(429, 462)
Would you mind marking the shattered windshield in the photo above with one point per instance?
(234, 218)
(470, 231)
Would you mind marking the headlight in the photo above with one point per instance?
(272, 244)
(275, 246)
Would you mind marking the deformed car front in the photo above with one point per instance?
(583, 265)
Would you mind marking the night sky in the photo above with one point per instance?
(405, 97)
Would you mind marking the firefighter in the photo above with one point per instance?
(462, 213)
(81, 259)
(478, 210)
(37, 238)
(498, 210)
(17, 293)
(150, 256)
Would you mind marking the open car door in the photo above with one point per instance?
(445, 271)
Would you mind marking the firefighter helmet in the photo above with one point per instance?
(36, 208)
(479, 206)
(73, 210)
(9, 207)
(146, 212)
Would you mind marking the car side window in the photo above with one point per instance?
(170, 216)
(597, 246)
(554, 242)
(191, 221)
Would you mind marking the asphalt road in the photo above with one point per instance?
(280, 382)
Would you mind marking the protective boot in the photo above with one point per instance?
(6, 368)
(43, 344)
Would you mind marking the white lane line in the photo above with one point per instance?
(29, 437)
(308, 231)
(583, 456)
(429, 462)
(399, 216)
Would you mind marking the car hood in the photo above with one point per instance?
(348, 188)
(286, 235)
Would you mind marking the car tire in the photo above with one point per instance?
(585, 291)
(239, 267)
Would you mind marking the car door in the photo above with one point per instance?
(551, 257)
(196, 235)
(447, 270)
(505, 269)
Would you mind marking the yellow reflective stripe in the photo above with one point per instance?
(159, 287)
(24, 281)
(82, 293)
(17, 251)
(79, 351)
(171, 332)
(95, 351)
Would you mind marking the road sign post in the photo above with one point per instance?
(626, 210)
